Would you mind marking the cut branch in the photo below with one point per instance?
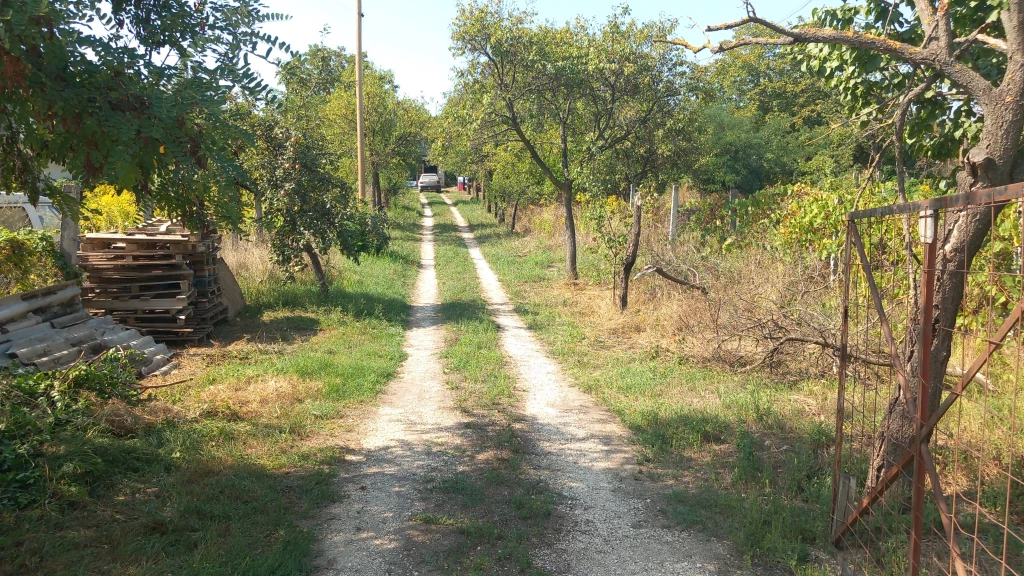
(651, 269)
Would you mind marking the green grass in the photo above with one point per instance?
(490, 513)
(225, 474)
(704, 429)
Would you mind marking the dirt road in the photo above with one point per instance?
(611, 524)
(607, 520)
(414, 434)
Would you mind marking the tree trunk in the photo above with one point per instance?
(515, 212)
(571, 272)
(376, 194)
(257, 203)
(632, 248)
(875, 164)
(960, 237)
(318, 269)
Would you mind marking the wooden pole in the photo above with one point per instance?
(734, 195)
(928, 290)
(673, 215)
(360, 158)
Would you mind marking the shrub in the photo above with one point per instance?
(104, 209)
(41, 416)
(29, 259)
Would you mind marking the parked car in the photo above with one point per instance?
(429, 181)
(16, 212)
(410, 183)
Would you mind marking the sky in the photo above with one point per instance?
(411, 37)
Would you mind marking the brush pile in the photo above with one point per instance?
(158, 278)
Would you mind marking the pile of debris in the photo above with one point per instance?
(49, 329)
(158, 278)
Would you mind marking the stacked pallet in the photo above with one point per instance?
(49, 329)
(158, 278)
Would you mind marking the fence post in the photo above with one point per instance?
(632, 195)
(839, 509)
(69, 226)
(673, 214)
(927, 227)
(734, 195)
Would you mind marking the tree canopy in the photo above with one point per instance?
(567, 94)
(129, 93)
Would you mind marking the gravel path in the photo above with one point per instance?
(415, 433)
(609, 519)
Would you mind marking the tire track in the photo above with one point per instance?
(610, 524)
(412, 436)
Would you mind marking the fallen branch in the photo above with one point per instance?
(958, 372)
(816, 342)
(649, 269)
(168, 385)
(954, 371)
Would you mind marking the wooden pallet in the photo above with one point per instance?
(159, 278)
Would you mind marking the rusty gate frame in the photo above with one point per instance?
(917, 451)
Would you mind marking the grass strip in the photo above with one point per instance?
(489, 513)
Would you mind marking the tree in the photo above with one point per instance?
(128, 93)
(566, 94)
(309, 209)
(463, 140)
(762, 120)
(394, 129)
(973, 51)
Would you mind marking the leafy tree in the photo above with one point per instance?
(761, 119)
(567, 94)
(309, 210)
(394, 129)
(951, 71)
(463, 140)
(128, 93)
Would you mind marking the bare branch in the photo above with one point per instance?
(651, 269)
(931, 56)
(992, 42)
(816, 342)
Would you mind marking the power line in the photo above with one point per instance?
(798, 10)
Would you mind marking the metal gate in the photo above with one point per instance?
(952, 503)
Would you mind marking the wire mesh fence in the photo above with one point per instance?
(929, 468)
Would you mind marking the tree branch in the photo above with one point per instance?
(932, 56)
(997, 44)
(816, 342)
(649, 269)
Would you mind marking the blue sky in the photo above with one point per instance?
(411, 37)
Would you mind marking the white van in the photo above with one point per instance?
(16, 212)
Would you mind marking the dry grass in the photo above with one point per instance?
(756, 298)
(250, 258)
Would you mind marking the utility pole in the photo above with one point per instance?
(359, 98)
